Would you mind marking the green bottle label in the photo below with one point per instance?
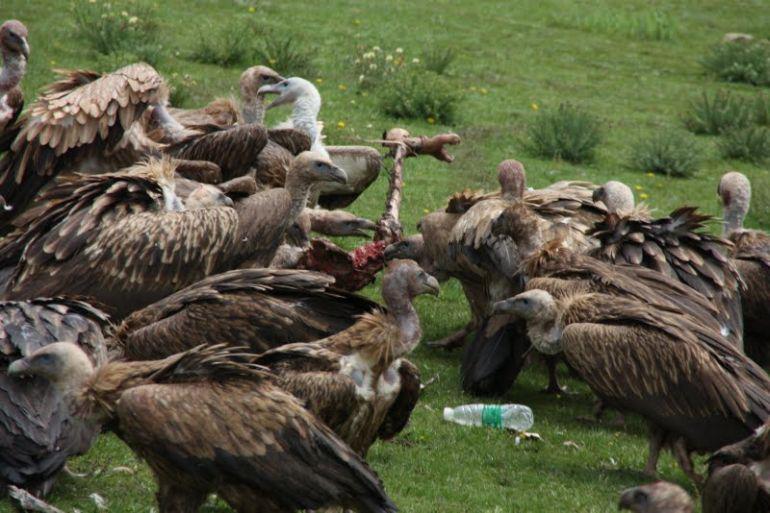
(492, 415)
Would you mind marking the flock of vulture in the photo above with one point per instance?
(155, 283)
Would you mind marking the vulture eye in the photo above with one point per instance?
(44, 359)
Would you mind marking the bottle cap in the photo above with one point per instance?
(447, 413)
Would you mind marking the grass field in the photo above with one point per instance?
(513, 58)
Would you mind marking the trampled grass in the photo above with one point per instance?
(512, 58)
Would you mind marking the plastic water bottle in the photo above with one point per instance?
(509, 416)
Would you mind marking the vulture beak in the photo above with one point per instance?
(627, 499)
(433, 286)
(229, 201)
(19, 367)
(337, 174)
(25, 49)
(273, 89)
(362, 225)
(503, 307)
(597, 195)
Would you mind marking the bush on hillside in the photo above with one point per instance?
(740, 61)
(751, 144)
(418, 94)
(669, 152)
(718, 113)
(566, 133)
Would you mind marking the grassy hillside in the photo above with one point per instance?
(632, 64)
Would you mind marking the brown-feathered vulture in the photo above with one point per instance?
(677, 246)
(695, 388)
(738, 479)
(362, 164)
(37, 432)
(14, 48)
(489, 263)
(751, 256)
(357, 381)
(131, 236)
(659, 497)
(255, 308)
(209, 421)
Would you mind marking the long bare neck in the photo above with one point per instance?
(733, 220)
(173, 130)
(401, 308)
(14, 67)
(304, 117)
(253, 110)
(299, 191)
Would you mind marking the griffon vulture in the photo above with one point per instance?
(14, 48)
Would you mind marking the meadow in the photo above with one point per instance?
(634, 65)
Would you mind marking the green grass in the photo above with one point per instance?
(512, 58)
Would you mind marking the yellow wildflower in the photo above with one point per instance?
(342, 87)
(431, 120)
(483, 90)
(356, 22)
(272, 61)
(340, 124)
(650, 174)
(534, 106)
(638, 187)
(425, 211)
(644, 196)
(319, 80)
(252, 9)
(53, 63)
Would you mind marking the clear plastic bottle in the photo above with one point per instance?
(509, 416)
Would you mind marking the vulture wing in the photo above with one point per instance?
(678, 247)
(295, 141)
(362, 164)
(257, 440)
(37, 434)
(82, 112)
(260, 308)
(666, 367)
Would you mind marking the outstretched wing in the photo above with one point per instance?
(82, 112)
(251, 435)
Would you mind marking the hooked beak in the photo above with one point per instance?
(363, 225)
(626, 499)
(597, 195)
(433, 286)
(20, 366)
(25, 49)
(273, 89)
(337, 174)
(503, 307)
(229, 201)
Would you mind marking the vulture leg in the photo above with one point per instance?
(656, 444)
(29, 502)
(454, 340)
(553, 381)
(173, 498)
(682, 455)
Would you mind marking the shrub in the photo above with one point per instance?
(228, 45)
(672, 152)
(751, 144)
(374, 66)
(420, 95)
(648, 26)
(438, 60)
(122, 30)
(286, 55)
(740, 61)
(717, 114)
(566, 133)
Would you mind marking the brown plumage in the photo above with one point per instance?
(255, 308)
(697, 391)
(660, 497)
(679, 247)
(737, 480)
(362, 165)
(37, 433)
(208, 420)
(751, 256)
(75, 120)
(14, 47)
(356, 380)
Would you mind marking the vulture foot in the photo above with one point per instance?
(452, 341)
(553, 381)
(29, 502)
(656, 444)
(682, 455)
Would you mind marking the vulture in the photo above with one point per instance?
(677, 246)
(489, 261)
(659, 497)
(131, 235)
(751, 256)
(210, 421)
(37, 431)
(738, 480)
(695, 388)
(361, 163)
(357, 381)
(258, 308)
(15, 50)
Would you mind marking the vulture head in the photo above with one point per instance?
(311, 167)
(290, 90)
(512, 178)
(411, 248)
(13, 39)
(207, 196)
(660, 497)
(536, 307)
(405, 279)
(162, 171)
(339, 223)
(734, 191)
(255, 77)
(63, 364)
(616, 196)
(753, 452)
